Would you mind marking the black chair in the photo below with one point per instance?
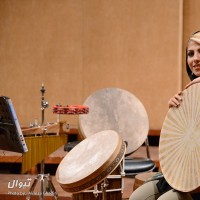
(134, 166)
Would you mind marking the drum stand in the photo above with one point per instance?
(50, 188)
(105, 184)
(42, 177)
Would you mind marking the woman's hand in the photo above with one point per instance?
(175, 100)
(196, 80)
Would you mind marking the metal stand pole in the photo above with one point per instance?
(42, 177)
(104, 185)
(44, 104)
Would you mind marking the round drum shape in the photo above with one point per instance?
(91, 161)
(179, 149)
(119, 110)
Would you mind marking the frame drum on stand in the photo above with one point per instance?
(90, 163)
(179, 149)
(119, 110)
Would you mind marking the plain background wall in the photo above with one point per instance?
(76, 47)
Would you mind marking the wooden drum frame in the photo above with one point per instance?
(110, 188)
(91, 161)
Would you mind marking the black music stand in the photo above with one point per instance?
(11, 137)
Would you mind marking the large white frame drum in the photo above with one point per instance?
(119, 110)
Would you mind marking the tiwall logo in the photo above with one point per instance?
(19, 187)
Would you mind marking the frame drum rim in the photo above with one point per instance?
(101, 172)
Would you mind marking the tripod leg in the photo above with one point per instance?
(42, 187)
(52, 187)
(41, 194)
(32, 188)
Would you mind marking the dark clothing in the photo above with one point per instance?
(196, 196)
(163, 185)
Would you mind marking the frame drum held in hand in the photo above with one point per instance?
(179, 148)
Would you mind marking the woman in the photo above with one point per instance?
(159, 189)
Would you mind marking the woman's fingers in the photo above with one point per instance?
(175, 101)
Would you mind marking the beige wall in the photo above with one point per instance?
(77, 47)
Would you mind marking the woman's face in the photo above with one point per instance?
(193, 57)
